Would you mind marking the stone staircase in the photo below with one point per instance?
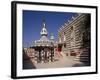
(84, 56)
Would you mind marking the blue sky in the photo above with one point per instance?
(32, 24)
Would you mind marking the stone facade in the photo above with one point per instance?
(74, 36)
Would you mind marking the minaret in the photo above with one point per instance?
(52, 37)
(44, 30)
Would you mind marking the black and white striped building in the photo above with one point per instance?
(74, 37)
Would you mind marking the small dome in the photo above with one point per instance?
(44, 30)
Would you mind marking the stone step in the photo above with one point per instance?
(85, 60)
(78, 59)
(83, 57)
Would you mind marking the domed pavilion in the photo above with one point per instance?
(44, 47)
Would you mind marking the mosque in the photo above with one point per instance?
(73, 41)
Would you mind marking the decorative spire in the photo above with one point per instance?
(44, 23)
(44, 30)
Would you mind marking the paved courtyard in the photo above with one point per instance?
(59, 63)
